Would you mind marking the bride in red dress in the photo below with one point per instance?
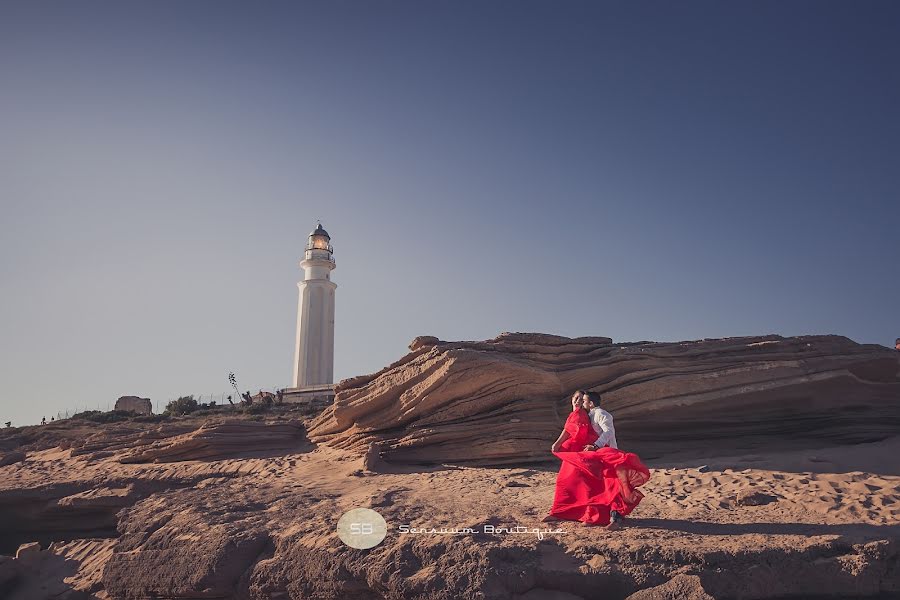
(595, 487)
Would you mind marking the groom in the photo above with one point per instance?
(601, 421)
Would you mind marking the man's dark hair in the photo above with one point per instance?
(593, 398)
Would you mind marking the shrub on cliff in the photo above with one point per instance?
(185, 405)
(253, 409)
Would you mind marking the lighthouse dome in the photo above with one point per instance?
(320, 232)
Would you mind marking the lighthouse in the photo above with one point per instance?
(314, 350)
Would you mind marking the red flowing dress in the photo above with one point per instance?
(588, 485)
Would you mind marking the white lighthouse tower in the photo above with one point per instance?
(314, 351)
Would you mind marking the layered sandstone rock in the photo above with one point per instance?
(504, 400)
(9, 458)
(218, 440)
(261, 526)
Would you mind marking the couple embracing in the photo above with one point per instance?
(597, 483)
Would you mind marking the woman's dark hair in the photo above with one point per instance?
(593, 398)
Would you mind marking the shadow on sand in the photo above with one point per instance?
(857, 531)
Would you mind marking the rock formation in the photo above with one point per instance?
(213, 441)
(504, 400)
(231, 504)
(262, 527)
(9, 458)
(140, 406)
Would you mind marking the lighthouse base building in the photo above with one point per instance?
(314, 395)
(313, 379)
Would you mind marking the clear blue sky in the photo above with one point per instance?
(661, 171)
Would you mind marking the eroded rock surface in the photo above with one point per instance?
(257, 526)
(245, 507)
(219, 440)
(504, 400)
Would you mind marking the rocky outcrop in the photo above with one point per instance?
(140, 406)
(680, 587)
(27, 548)
(67, 502)
(193, 553)
(220, 440)
(504, 400)
(74, 510)
(243, 506)
(259, 525)
(9, 458)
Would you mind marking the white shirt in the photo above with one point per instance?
(602, 422)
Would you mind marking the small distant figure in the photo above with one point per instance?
(279, 396)
(43, 420)
(897, 345)
(248, 399)
(52, 419)
(230, 401)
